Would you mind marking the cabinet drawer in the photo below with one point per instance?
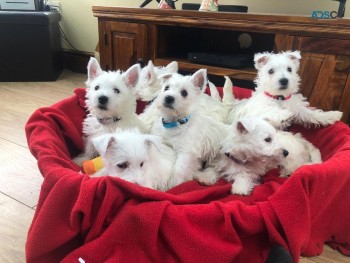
(322, 45)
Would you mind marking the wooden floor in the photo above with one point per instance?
(20, 178)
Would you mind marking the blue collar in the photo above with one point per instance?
(176, 123)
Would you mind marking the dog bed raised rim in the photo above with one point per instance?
(107, 219)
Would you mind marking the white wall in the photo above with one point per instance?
(80, 26)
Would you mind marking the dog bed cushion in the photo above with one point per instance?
(106, 219)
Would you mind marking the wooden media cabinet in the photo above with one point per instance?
(131, 35)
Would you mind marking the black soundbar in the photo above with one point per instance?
(234, 61)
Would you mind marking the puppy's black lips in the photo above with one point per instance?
(283, 87)
(167, 105)
(102, 107)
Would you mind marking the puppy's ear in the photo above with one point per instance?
(103, 142)
(150, 74)
(246, 125)
(165, 77)
(150, 64)
(93, 69)
(131, 76)
(172, 67)
(199, 79)
(295, 56)
(153, 140)
(260, 59)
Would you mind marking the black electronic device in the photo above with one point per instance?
(235, 61)
(221, 8)
(31, 50)
(170, 3)
(20, 5)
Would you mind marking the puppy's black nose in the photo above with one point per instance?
(285, 153)
(169, 99)
(284, 82)
(103, 100)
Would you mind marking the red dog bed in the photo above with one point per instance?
(106, 219)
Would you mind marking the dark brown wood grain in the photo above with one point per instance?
(324, 45)
(309, 71)
(127, 43)
(322, 95)
(345, 101)
(283, 42)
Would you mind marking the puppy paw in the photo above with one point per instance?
(333, 116)
(286, 119)
(240, 189)
(284, 172)
(323, 118)
(243, 184)
(206, 177)
(281, 120)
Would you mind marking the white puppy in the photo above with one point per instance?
(249, 150)
(139, 158)
(276, 96)
(194, 136)
(111, 101)
(149, 84)
(301, 152)
(149, 87)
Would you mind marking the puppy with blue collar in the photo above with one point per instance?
(183, 125)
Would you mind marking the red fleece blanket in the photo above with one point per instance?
(110, 220)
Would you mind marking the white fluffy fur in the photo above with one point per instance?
(139, 158)
(109, 95)
(272, 70)
(211, 106)
(301, 152)
(149, 85)
(249, 150)
(197, 140)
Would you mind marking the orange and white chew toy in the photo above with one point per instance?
(93, 166)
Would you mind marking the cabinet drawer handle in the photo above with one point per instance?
(105, 36)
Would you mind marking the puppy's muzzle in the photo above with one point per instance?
(284, 83)
(169, 101)
(103, 100)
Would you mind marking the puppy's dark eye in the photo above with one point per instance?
(116, 91)
(122, 165)
(289, 69)
(97, 87)
(166, 88)
(141, 164)
(268, 139)
(271, 71)
(184, 93)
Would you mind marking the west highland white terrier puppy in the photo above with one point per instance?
(111, 101)
(276, 96)
(195, 137)
(249, 150)
(150, 84)
(301, 152)
(149, 88)
(138, 158)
